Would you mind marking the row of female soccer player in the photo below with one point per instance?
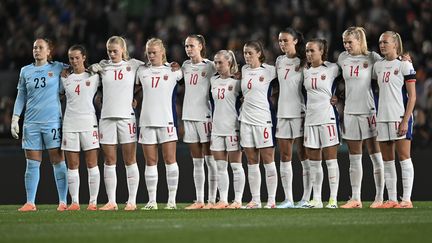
(215, 135)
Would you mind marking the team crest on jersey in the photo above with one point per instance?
(323, 77)
(261, 78)
(396, 71)
(50, 74)
(128, 68)
(165, 77)
(230, 87)
(87, 82)
(365, 65)
(203, 74)
(297, 68)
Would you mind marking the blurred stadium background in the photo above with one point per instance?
(226, 24)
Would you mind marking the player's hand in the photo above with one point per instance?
(15, 127)
(174, 66)
(406, 57)
(403, 128)
(95, 68)
(238, 75)
(334, 100)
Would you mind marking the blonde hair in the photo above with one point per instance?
(359, 34)
(157, 42)
(230, 57)
(119, 41)
(397, 39)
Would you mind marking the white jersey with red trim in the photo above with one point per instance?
(357, 73)
(159, 86)
(196, 104)
(255, 86)
(118, 81)
(391, 77)
(225, 93)
(80, 90)
(291, 102)
(318, 82)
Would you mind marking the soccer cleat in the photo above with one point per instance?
(28, 207)
(220, 205)
(332, 204)
(62, 207)
(109, 207)
(286, 204)
(235, 205)
(92, 207)
(150, 206)
(73, 207)
(300, 204)
(195, 205)
(389, 204)
(171, 206)
(376, 204)
(209, 205)
(130, 207)
(252, 205)
(313, 204)
(352, 204)
(404, 204)
(270, 205)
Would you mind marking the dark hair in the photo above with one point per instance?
(257, 46)
(322, 44)
(300, 46)
(202, 41)
(50, 47)
(83, 51)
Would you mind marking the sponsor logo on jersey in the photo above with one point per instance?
(261, 78)
(128, 68)
(203, 74)
(50, 74)
(166, 77)
(396, 71)
(365, 65)
(297, 68)
(323, 77)
(87, 82)
(412, 71)
(230, 88)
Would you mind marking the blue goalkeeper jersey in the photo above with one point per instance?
(38, 90)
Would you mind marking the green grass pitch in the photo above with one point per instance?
(177, 226)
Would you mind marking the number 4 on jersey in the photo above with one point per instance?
(77, 89)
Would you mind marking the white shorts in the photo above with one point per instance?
(321, 136)
(197, 131)
(252, 136)
(225, 143)
(117, 130)
(359, 127)
(387, 131)
(290, 128)
(75, 141)
(157, 135)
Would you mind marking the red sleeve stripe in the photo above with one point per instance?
(410, 81)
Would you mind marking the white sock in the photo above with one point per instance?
(223, 180)
(73, 184)
(110, 179)
(254, 178)
(238, 181)
(407, 169)
(317, 176)
(151, 179)
(212, 178)
(390, 178)
(172, 176)
(199, 178)
(286, 179)
(356, 174)
(307, 185)
(94, 183)
(133, 177)
(271, 181)
(378, 169)
(333, 176)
